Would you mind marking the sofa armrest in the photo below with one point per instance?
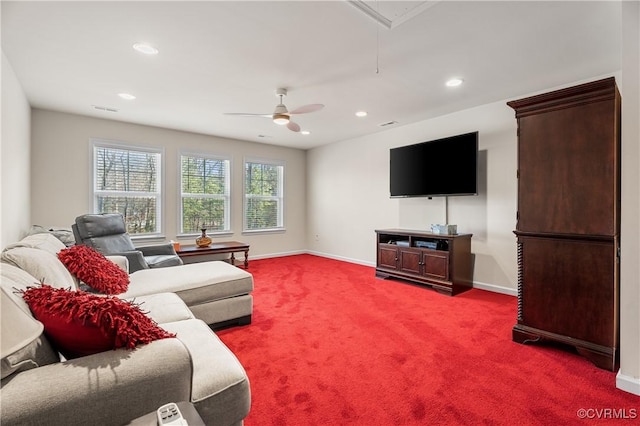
(112, 387)
(121, 261)
(158, 250)
(135, 258)
(160, 256)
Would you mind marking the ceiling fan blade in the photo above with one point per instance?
(294, 127)
(246, 114)
(307, 108)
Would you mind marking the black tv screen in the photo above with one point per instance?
(441, 167)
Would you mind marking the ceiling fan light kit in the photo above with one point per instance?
(281, 119)
(281, 115)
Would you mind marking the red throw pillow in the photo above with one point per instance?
(94, 269)
(80, 323)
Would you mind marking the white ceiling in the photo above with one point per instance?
(224, 56)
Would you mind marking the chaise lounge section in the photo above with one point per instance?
(117, 386)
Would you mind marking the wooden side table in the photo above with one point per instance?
(223, 247)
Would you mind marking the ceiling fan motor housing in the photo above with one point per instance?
(280, 109)
(280, 114)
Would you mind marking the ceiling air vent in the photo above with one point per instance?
(388, 123)
(102, 108)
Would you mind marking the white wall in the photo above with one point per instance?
(61, 176)
(348, 193)
(629, 375)
(14, 158)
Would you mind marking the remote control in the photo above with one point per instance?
(169, 415)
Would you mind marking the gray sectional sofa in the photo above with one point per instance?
(115, 387)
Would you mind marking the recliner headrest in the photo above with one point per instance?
(100, 225)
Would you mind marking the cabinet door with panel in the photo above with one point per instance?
(568, 177)
(410, 260)
(436, 264)
(387, 256)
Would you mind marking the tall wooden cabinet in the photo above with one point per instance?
(568, 224)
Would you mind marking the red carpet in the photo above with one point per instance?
(330, 345)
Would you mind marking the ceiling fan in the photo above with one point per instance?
(281, 115)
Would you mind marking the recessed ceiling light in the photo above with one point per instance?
(305, 132)
(361, 114)
(126, 96)
(454, 82)
(145, 48)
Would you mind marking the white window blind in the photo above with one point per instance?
(205, 193)
(127, 180)
(264, 195)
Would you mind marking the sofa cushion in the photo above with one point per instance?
(15, 279)
(41, 264)
(194, 283)
(42, 241)
(220, 386)
(163, 307)
(94, 269)
(64, 235)
(82, 324)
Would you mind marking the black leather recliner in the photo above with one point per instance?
(107, 234)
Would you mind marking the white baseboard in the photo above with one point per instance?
(495, 288)
(628, 383)
(282, 254)
(344, 259)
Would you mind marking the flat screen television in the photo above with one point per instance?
(441, 167)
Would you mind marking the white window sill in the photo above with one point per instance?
(264, 231)
(210, 234)
(155, 238)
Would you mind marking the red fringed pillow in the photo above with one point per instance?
(94, 269)
(80, 323)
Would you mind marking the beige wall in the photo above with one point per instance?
(61, 174)
(348, 194)
(14, 158)
(629, 375)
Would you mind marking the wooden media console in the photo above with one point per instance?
(443, 262)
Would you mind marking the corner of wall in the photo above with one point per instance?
(15, 149)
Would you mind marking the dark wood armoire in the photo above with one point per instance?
(568, 220)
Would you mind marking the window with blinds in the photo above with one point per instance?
(263, 195)
(127, 180)
(205, 193)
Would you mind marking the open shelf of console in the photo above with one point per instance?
(443, 262)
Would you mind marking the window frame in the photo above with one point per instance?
(200, 154)
(280, 197)
(159, 195)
